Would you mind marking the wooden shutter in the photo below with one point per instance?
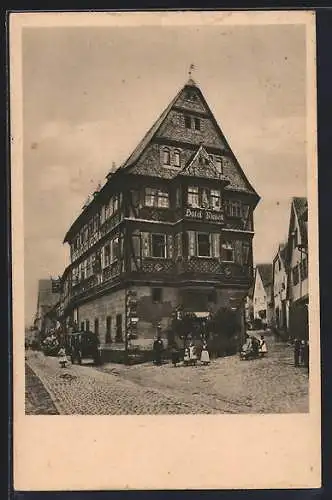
(136, 240)
(169, 246)
(191, 243)
(238, 251)
(145, 244)
(179, 245)
(215, 237)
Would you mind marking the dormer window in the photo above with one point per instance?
(197, 124)
(177, 158)
(166, 156)
(218, 162)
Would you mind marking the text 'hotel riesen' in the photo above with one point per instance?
(171, 229)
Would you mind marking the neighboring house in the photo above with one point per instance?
(279, 295)
(47, 298)
(171, 227)
(248, 307)
(262, 291)
(297, 261)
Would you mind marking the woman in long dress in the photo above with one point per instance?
(205, 357)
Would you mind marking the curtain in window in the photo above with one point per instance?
(215, 245)
(145, 244)
(136, 240)
(191, 243)
(170, 246)
(179, 245)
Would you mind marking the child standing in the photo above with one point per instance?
(205, 357)
(62, 357)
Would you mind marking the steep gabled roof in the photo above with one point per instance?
(301, 209)
(265, 272)
(149, 135)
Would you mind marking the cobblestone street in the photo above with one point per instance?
(228, 385)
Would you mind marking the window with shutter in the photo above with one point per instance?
(191, 243)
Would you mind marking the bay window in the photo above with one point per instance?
(233, 208)
(215, 199)
(204, 198)
(155, 197)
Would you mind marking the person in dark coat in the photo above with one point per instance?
(297, 350)
(175, 354)
(158, 347)
(255, 346)
(306, 355)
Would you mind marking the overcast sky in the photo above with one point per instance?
(90, 94)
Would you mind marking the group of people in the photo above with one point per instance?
(190, 357)
(254, 347)
(301, 353)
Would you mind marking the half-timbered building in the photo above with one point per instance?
(171, 228)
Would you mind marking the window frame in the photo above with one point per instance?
(202, 233)
(152, 246)
(224, 244)
(197, 124)
(177, 156)
(187, 122)
(167, 155)
(193, 191)
(156, 195)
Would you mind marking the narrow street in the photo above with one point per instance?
(228, 385)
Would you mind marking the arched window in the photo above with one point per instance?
(177, 158)
(166, 156)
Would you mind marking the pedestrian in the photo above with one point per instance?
(186, 357)
(306, 355)
(297, 349)
(255, 346)
(175, 354)
(62, 357)
(192, 354)
(205, 357)
(158, 347)
(302, 352)
(262, 346)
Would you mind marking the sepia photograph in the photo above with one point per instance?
(169, 216)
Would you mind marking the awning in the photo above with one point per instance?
(201, 314)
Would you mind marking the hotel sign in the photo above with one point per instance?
(204, 215)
